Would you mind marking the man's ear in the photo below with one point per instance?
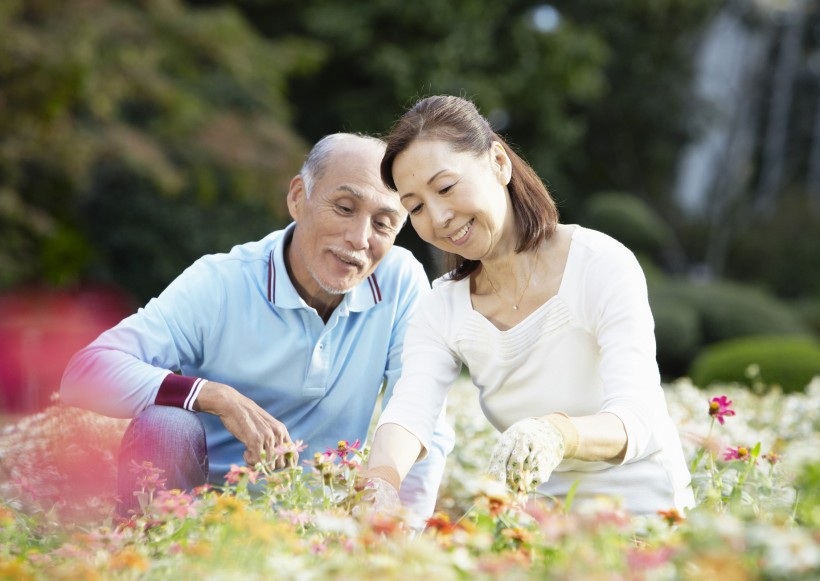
(296, 197)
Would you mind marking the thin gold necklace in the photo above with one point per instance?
(526, 286)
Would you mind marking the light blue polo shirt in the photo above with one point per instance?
(237, 319)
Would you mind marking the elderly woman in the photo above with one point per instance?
(551, 320)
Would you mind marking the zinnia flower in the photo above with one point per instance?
(720, 408)
(671, 516)
(739, 453)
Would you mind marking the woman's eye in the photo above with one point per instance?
(416, 209)
(445, 189)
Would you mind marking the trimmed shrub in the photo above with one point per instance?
(677, 335)
(690, 316)
(728, 310)
(790, 362)
(629, 220)
(809, 311)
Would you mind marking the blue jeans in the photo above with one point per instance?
(173, 439)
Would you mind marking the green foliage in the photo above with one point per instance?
(188, 107)
(677, 335)
(689, 316)
(809, 311)
(780, 251)
(628, 219)
(383, 55)
(808, 492)
(790, 362)
(727, 310)
(634, 132)
(598, 102)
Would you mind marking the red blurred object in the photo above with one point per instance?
(39, 332)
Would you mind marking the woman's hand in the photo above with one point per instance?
(526, 454)
(380, 496)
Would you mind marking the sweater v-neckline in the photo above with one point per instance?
(541, 310)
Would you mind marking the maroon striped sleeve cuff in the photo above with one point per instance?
(179, 391)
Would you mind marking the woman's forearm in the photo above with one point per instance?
(394, 447)
(600, 437)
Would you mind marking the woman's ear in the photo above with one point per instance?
(502, 164)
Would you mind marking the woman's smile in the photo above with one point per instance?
(461, 234)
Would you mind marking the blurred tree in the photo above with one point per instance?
(636, 131)
(136, 136)
(591, 92)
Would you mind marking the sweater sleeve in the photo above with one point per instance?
(132, 365)
(429, 368)
(621, 319)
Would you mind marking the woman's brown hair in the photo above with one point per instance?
(458, 122)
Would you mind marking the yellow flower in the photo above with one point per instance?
(14, 570)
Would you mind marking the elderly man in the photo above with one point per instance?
(288, 338)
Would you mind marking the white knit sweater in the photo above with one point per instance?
(589, 349)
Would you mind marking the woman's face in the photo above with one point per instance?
(457, 202)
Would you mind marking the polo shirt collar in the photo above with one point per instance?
(282, 293)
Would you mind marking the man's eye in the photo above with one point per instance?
(343, 209)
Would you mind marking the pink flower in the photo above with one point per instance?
(345, 446)
(649, 558)
(772, 457)
(719, 408)
(202, 490)
(739, 453)
(147, 476)
(289, 452)
(236, 472)
(175, 502)
(295, 517)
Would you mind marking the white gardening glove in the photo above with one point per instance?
(526, 454)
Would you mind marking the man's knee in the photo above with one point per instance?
(167, 427)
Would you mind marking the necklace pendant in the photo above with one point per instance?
(515, 307)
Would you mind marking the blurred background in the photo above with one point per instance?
(138, 135)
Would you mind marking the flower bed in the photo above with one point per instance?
(755, 458)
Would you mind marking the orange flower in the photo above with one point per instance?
(671, 516)
(128, 558)
(441, 524)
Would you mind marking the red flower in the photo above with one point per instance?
(719, 408)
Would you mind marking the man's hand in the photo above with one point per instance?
(526, 454)
(243, 418)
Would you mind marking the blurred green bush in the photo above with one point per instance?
(690, 316)
(628, 219)
(790, 362)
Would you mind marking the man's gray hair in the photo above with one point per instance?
(316, 162)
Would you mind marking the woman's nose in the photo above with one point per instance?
(442, 214)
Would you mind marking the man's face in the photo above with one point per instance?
(347, 223)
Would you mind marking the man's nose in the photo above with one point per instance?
(359, 232)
